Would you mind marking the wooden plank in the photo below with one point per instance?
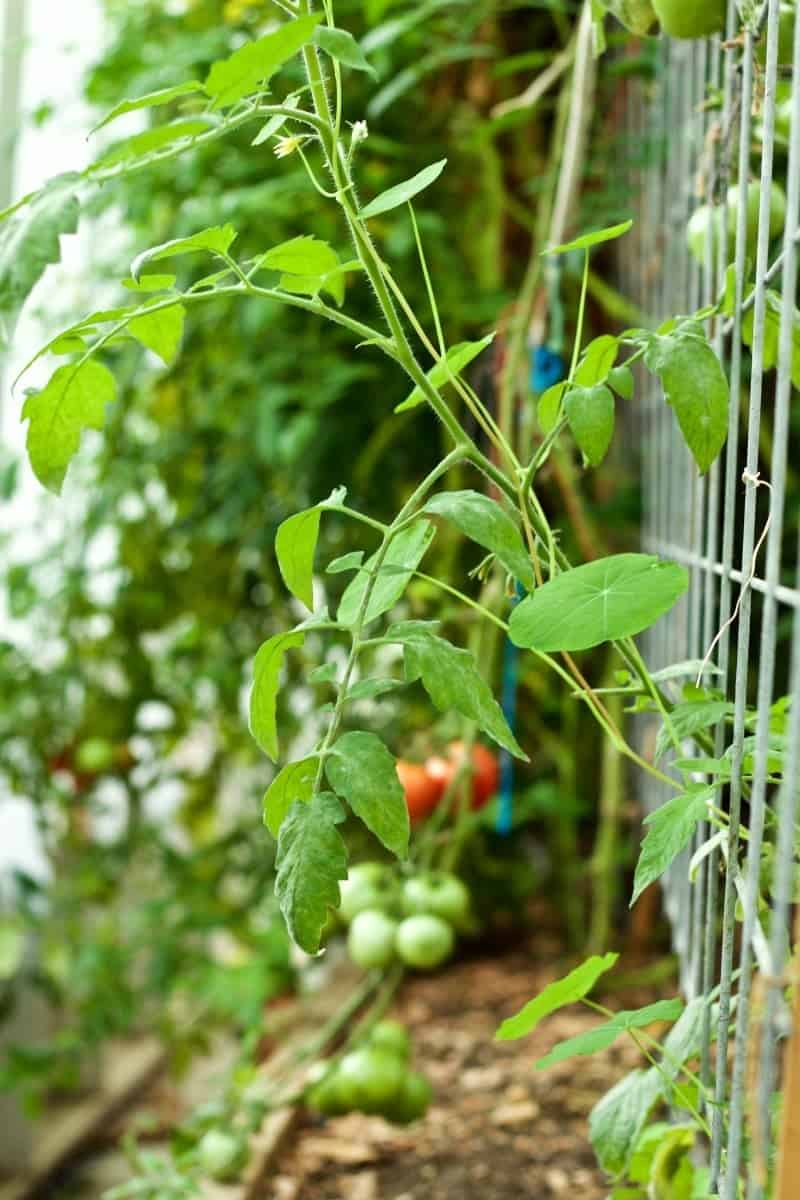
(68, 1127)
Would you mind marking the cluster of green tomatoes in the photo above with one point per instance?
(374, 1078)
(414, 921)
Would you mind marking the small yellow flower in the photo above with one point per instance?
(287, 145)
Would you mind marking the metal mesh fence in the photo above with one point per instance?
(722, 111)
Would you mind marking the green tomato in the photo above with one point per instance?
(637, 15)
(412, 1100)
(424, 941)
(691, 18)
(368, 885)
(327, 1096)
(439, 893)
(221, 1154)
(371, 939)
(94, 755)
(697, 229)
(369, 1079)
(392, 1037)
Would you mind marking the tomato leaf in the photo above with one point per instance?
(694, 385)
(217, 240)
(253, 64)
(689, 718)
(74, 399)
(549, 406)
(596, 361)
(160, 331)
(670, 830)
(451, 678)
(587, 240)
(485, 522)
(556, 995)
(457, 358)
(617, 1121)
(310, 862)
(293, 782)
(30, 241)
(402, 558)
(151, 100)
(144, 143)
(621, 380)
(364, 773)
(342, 46)
(401, 193)
(263, 698)
(304, 255)
(590, 413)
(603, 1036)
(295, 547)
(599, 602)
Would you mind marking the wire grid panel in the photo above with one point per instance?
(711, 121)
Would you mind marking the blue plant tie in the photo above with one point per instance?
(547, 368)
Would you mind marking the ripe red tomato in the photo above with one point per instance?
(485, 767)
(422, 792)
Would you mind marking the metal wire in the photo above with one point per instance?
(702, 110)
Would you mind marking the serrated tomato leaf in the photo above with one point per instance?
(361, 770)
(556, 995)
(310, 862)
(264, 695)
(74, 399)
(294, 782)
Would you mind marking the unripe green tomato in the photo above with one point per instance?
(368, 885)
(637, 15)
(785, 37)
(326, 1096)
(412, 1100)
(94, 755)
(369, 1079)
(424, 941)
(393, 1038)
(777, 211)
(439, 893)
(691, 18)
(221, 1154)
(371, 939)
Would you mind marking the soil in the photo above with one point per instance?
(498, 1129)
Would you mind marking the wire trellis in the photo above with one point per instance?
(709, 101)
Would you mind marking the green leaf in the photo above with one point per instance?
(30, 241)
(603, 1036)
(548, 408)
(587, 240)
(345, 562)
(151, 139)
(616, 1123)
(369, 689)
(304, 255)
(602, 601)
(695, 385)
(401, 193)
(151, 100)
(75, 399)
(670, 830)
(149, 283)
(684, 1040)
(311, 860)
(342, 46)
(364, 773)
(217, 240)
(402, 558)
(596, 362)
(772, 331)
(688, 718)
(621, 380)
(451, 678)
(457, 358)
(590, 412)
(485, 522)
(263, 698)
(160, 331)
(293, 782)
(312, 285)
(276, 123)
(556, 995)
(295, 547)
(252, 66)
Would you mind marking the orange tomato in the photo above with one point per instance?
(422, 792)
(485, 768)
